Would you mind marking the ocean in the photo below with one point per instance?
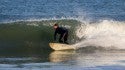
(96, 28)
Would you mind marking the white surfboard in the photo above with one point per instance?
(59, 46)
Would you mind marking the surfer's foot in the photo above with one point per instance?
(66, 42)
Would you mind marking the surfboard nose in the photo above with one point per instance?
(51, 44)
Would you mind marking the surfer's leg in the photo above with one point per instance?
(65, 38)
(60, 38)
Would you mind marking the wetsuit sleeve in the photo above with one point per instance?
(55, 35)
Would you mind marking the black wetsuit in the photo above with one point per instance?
(61, 31)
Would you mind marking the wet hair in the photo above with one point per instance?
(55, 24)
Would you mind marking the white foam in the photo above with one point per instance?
(106, 33)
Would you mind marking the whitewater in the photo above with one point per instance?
(105, 33)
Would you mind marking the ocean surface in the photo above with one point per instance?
(96, 28)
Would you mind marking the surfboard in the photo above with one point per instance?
(59, 46)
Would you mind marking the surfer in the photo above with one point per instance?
(63, 34)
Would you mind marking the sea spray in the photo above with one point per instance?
(106, 33)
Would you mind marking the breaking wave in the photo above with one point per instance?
(105, 33)
(38, 33)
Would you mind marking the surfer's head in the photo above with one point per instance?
(55, 26)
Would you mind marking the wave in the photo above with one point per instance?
(38, 33)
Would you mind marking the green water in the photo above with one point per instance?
(25, 36)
